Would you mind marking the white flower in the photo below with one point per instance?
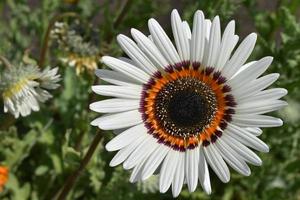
(187, 106)
(23, 87)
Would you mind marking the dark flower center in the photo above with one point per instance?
(185, 106)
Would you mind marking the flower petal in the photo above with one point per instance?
(246, 138)
(163, 42)
(180, 36)
(126, 69)
(204, 172)
(134, 52)
(115, 105)
(191, 168)
(232, 158)
(119, 120)
(198, 37)
(149, 48)
(217, 163)
(178, 178)
(240, 56)
(242, 150)
(126, 137)
(154, 161)
(114, 77)
(168, 170)
(130, 92)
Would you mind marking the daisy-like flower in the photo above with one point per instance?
(3, 177)
(23, 87)
(179, 109)
(81, 55)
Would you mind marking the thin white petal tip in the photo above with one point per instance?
(253, 36)
(285, 91)
(280, 122)
(93, 123)
(265, 149)
(104, 59)
(151, 21)
(174, 11)
(120, 37)
(109, 147)
(199, 12)
(208, 192)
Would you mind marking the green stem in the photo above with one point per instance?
(5, 62)
(47, 35)
(122, 13)
(71, 180)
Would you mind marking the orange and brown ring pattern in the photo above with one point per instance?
(220, 110)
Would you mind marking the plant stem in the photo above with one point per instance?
(122, 13)
(71, 180)
(5, 62)
(47, 35)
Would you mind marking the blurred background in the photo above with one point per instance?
(41, 150)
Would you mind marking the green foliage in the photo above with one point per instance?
(42, 149)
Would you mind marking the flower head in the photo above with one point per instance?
(183, 108)
(78, 53)
(3, 176)
(24, 86)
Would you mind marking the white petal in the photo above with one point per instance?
(241, 149)
(259, 107)
(149, 48)
(154, 161)
(240, 56)
(178, 176)
(270, 94)
(133, 51)
(214, 43)
(191, 168)
(255, 131)
(245, 66)
(246, 138)
(252, 120)
(119, 120)
(187, 29)
(228, 43)
(168, 170)
(208, 28)
(251, 72)
(126, 69)
(204, 172)
(147, 146)
(125, 152)
(137, 172)
(180, 36)
(130, 92)
(115, 105)
(128, 60)
(255, 86)
(198, 36)
(126, 137)
(217, 163)
(163, 42)
(232, 158)
(114, 77)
